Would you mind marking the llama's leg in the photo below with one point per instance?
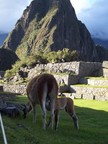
(32, 105)
(52, 105)
(34, 113)
(75, 121)
(56, 119)
(43, 106)
(73, 116)
(43, 114)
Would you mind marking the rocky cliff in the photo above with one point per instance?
(51, 25)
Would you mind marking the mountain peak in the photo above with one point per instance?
(50, 25)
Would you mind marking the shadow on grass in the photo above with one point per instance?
(93, 126)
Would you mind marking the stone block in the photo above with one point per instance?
(105, 64)
(101, 98)
(88, 96)
(76, 95)
(105, 72)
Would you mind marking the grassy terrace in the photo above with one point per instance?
(90, 86)
(97, 78)
(93, 123)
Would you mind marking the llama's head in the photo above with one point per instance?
(26, 109)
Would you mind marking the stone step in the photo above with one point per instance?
(105, 72)
(96, 81)
(105, 64)
(89, 92)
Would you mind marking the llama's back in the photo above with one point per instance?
(42, 84)
(47, 83)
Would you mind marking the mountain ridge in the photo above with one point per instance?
(51, 25)
(101, 42)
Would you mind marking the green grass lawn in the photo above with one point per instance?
(93, 123)
(90, 86)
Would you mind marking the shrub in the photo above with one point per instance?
(41, 57)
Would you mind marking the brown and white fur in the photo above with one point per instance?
(62, 103)
(38, 89)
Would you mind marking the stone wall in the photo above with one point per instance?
(95, 81)
(75, 91)
(89, 69)
(20, 89)
(105, 69)
(68, 74)
(77, 68)
(89, 92)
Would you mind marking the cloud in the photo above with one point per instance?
(10, 12)
(95, 17)
(80, 4)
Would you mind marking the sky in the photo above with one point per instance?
(93, 13)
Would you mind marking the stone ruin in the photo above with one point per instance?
(67, 75)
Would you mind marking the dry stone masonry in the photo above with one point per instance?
(89, 92)
(80, 69)
(68, 75)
